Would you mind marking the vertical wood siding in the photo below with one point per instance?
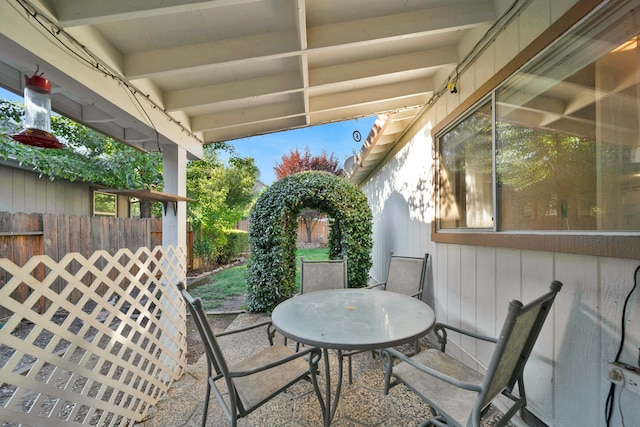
(566, 377)
(22, 191)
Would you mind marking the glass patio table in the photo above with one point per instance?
(351, 319)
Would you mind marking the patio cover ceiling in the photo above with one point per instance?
(193, 72)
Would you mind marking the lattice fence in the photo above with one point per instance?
(100, 350)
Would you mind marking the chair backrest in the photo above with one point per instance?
(322, 275)
(215, 357)
(406, 275)
(519, 334)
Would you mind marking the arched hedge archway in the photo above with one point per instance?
(273, 230)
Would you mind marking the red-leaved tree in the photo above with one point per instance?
(295, 162)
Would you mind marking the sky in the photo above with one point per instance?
(334, 138)
(267, 150)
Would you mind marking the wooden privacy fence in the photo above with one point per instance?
(23, 236)
(319, 234)
(102, 359)
(55, 235)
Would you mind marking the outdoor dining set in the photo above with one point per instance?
(328, 317)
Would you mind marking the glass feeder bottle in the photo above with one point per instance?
(37, 102)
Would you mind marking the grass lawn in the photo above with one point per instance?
(232, 282)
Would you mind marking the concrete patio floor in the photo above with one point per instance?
(361, 403)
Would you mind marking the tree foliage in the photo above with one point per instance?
(295, 162)
(87, 156)
(272, 234)
(222, 196)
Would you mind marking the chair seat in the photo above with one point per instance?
(255, 388)
(457, 403)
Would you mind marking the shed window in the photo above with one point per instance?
(104, 204)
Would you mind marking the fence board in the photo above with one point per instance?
(20, 240)
(50, 232)
(85, 232)
(113, 233)
(74, 232)
(319, 232)
(156, 232)
(23, 236)
(63, 235)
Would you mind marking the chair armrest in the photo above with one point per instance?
(314, 357)
(271, 333)
(440, 329)
(377, 285)
(244, 328)
(392, 353)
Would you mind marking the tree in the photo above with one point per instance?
(295, 162)
(222, 194)
(87, 156)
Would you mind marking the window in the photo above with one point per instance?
(565, 135)
(134, 207)
(466, 190)
(104, 204)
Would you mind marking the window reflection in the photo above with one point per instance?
(568, 146)
(466, 197)
(567, 141)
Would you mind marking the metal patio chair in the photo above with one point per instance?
(320, 275)
(459, 394)
(249, 384)
(406, 276)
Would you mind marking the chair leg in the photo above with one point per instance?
(349, 365)
(205, 411)
(434, 421)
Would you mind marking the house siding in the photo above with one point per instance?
(23, 191)
(470, 286)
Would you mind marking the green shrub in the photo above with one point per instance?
(273, 231)
(206, 247)
(237, 242)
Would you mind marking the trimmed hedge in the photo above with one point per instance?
(273, 230)
(237, 243)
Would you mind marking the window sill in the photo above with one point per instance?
(614, 245)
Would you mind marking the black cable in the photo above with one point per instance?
(94, 63)
(608, 406)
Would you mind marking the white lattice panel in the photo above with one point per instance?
(93, 341)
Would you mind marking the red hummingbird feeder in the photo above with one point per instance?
(37, 117)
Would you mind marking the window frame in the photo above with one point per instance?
(623, 244)
(101, 213)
